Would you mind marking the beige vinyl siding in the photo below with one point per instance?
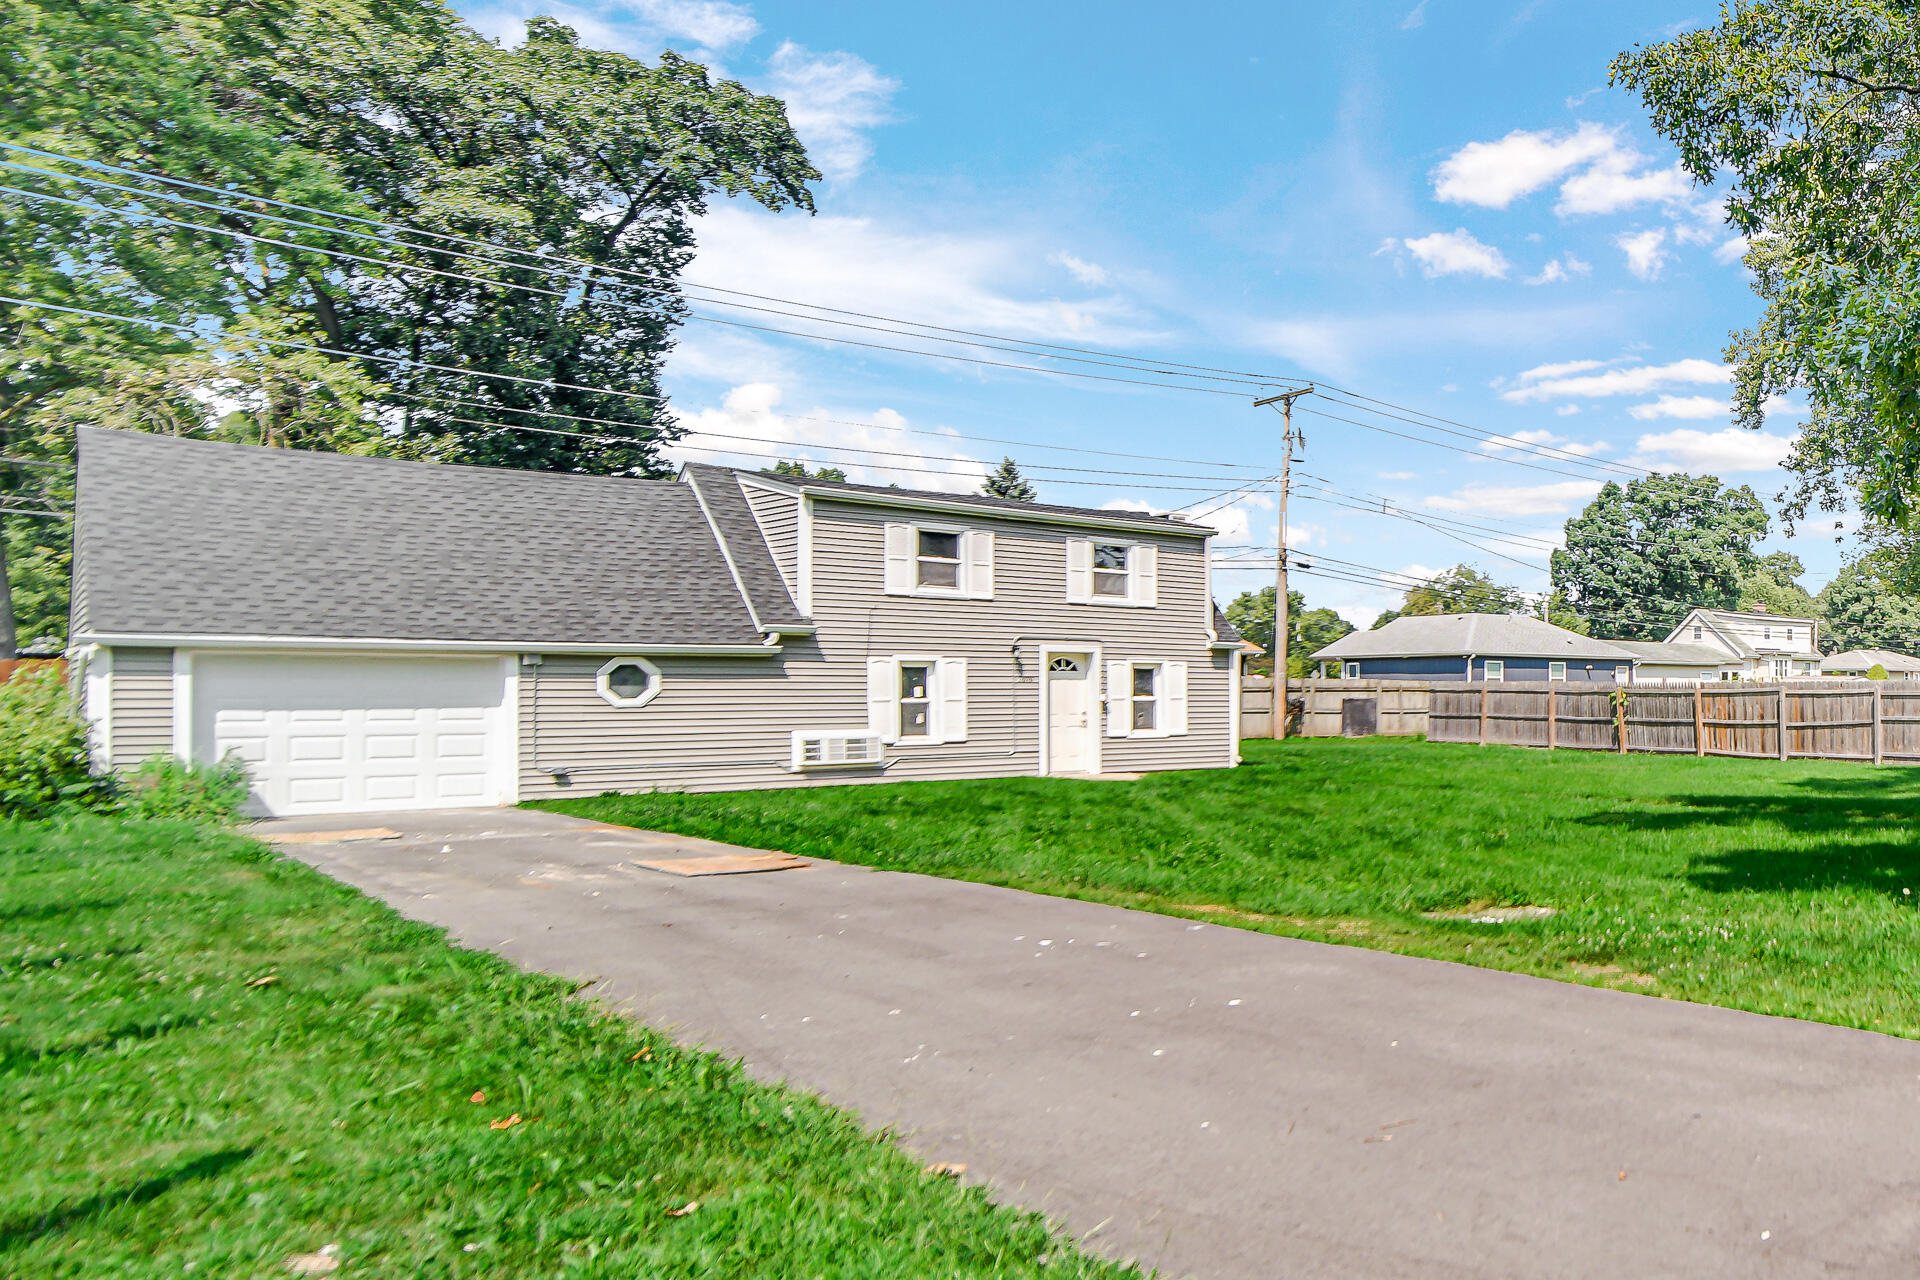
(724, 723)
(142, 705)
(779, 517)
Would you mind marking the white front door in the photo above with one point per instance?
(1070, 713)
(322, 734)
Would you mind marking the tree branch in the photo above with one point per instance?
(1833, 73)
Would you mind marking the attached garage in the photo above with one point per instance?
(347, 734)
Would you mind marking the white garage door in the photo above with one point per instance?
(349, 734)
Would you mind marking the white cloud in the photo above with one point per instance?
(1732, 251)
(1546, 438)
(641, 28)
(1449, 253)
(972, 281)
(1646, 256)
(1719, 451)
(1567, 410)
(1416, 18)
(1612, 185)
(1681, 407)
(1551, 381)
(711, 24)
(1495, 174)
(1561, 369)
(753, 411)
(1087, 273)
(1560, 270)
(832, 99)
(1396, 475)
(1518, 500)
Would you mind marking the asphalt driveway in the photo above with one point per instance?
(1211, 1101)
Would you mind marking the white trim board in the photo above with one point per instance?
(384, 645)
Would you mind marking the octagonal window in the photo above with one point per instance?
(629, 682)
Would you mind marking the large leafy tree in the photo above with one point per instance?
(1774, 584)
(1811, 110)
(1863, 612)
(396, 111)
(1643, 553)
(390, 111)
(1461, 589)
(1308, 630)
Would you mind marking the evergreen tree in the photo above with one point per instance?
(1007, 482)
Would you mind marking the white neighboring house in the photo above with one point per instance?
(1857, 662)
(1750, 645)
(1662, 662)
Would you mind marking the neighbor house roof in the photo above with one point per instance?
(1004, 506)
(1662, 653)
(1458, 634)
(1865, 659)
(192, 538)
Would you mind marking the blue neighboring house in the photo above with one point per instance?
(1474, 646)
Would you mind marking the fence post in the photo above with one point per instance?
(1553, 713)
(1620, 717)
(1877, 748)
(1483, 715)
(1783, 722)
(1699, 720)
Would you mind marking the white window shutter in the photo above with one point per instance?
(976, 551)
(1119, 699)
(1079, 570)
(1175, 674)
(883, 693)
(900, 548)
(1146, 575)
(951, 684)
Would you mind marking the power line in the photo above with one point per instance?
(296, 246)
(1145, 361)
(1025, 347)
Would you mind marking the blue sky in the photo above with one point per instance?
(1432, 202)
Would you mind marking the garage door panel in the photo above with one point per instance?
(460, 746)
(339, 734)
(395, 789)
(392, 746)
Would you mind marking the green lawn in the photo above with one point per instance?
(1782, 888)
(214, 1059)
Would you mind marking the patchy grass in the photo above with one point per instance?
(1780, 888)
(215, 1059)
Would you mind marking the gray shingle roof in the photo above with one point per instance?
(1866, 659)
(188, 537)
(746, 546)
(1458, 634)
(1007, 506)
(1671, 654)
(1225, 630)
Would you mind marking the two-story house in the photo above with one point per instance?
(375, 634)
(1727, 644)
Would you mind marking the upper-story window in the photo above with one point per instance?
(1110, 576)
(1107, 572)
(938, 560)
(1697, 633)
(1766, 633)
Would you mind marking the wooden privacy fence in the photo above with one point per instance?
(1867, 720)
(1327, 710)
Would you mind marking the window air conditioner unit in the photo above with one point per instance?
(814, 750)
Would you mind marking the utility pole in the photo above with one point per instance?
(1281, 625)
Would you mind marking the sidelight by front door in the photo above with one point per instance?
(1070, 703)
